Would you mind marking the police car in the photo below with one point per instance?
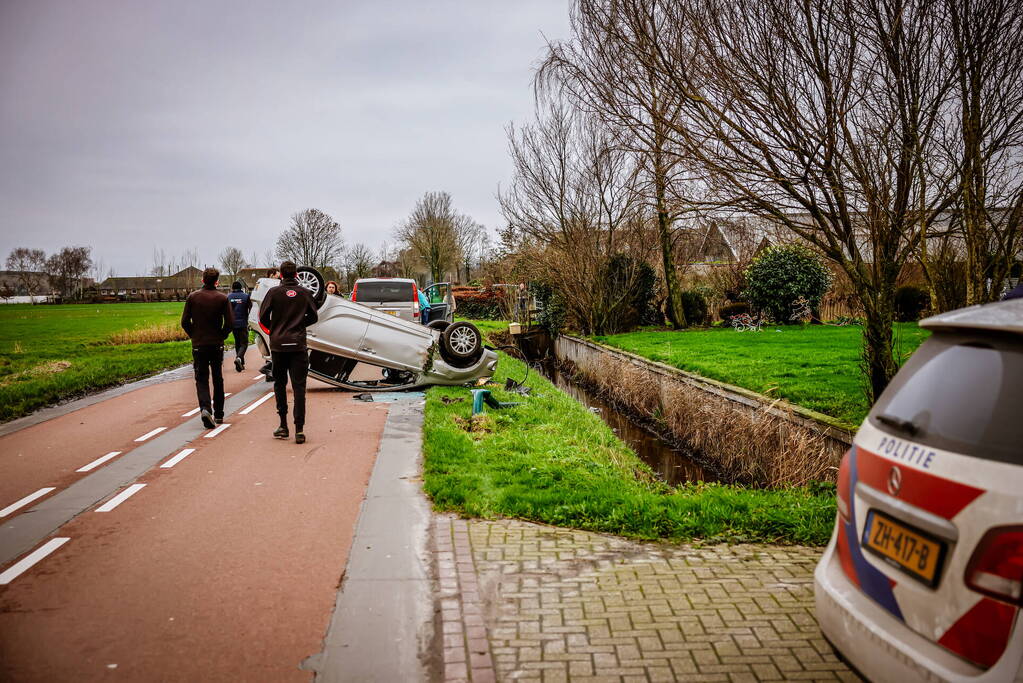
(923, 577)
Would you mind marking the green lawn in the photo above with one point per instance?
(51, 353)
(552, 461)
(815, 366)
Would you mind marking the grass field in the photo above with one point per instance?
(51, 353)
(552, 461)
(815, 366)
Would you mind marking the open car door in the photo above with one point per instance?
(442, 302)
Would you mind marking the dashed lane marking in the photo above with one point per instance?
(151, 434)
(26, 500)
(178, 458)
(217, 431)
(18, 568)
(257, 377)
(98, 461)
(252, 406)
(195, 411)
(120, 498)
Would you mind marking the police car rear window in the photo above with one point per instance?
(962, 394)
(384, 292)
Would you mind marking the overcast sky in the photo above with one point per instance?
(128, 126)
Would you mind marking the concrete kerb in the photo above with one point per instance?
(382, 625)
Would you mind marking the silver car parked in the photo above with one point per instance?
(410, 355)
(400, 297)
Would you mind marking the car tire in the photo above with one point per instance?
(439, 325)
(462, 340)
(311, 279)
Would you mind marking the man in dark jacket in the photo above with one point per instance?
(207, 320)
(241, 304)
(285, 313)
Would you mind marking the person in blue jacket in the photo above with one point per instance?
(241, 304)
(424, 308)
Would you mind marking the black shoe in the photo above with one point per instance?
(281, 433)
(219, 420)
(299, 437)
(207, 419)
(238, 365)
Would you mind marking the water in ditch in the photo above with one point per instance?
(672, 465)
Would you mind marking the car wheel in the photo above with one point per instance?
(462, 340)
(440, 325)
(311, 279)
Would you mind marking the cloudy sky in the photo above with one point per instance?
(133, 125)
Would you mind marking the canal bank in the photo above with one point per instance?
(740, 435)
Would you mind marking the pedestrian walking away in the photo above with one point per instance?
(207, 320)
(268, 367)
(241, 304)
(287, 310)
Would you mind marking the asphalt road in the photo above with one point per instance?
(190, 555)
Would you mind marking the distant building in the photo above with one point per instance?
(174, 287)
(14, 281)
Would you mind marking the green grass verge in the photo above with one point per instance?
(554, 462)
(51, 353)
(814, 366)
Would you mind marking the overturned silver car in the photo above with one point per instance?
(408, 354)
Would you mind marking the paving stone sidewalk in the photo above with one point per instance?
(527, 602)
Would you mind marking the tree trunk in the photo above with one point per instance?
(675, 310)
(879, 360)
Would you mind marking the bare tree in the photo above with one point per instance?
(574, 201)
(472, 245)
(432, 232)
(312, 239)
(358, 263)
(985, 40)
(614, 82)
(66, 269)
(27, 264)
(232, 260)
(820, 116)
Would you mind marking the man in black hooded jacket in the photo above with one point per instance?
(286, 311)
(207, 320)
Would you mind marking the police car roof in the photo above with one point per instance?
(1004, 316)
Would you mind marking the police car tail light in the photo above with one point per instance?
(996, 568)
(842, 486)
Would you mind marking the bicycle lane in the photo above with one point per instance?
(224, 566)
(52, 453)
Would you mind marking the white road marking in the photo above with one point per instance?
(217, 431)
(178, 458)
(26, 500)
(98, 461)
(257, 377)
(195, 411)
(151, 434)
(248, 409)
(18, 568)
(120, 498)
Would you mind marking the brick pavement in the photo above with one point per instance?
(526, 602)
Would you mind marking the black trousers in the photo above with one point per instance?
(241, 341)
(296, 364)
(206, 361)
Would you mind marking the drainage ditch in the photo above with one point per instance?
(672, 465)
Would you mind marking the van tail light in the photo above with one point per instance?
(415, 301)
(842, 486)
(355, 289)
(996, 568)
